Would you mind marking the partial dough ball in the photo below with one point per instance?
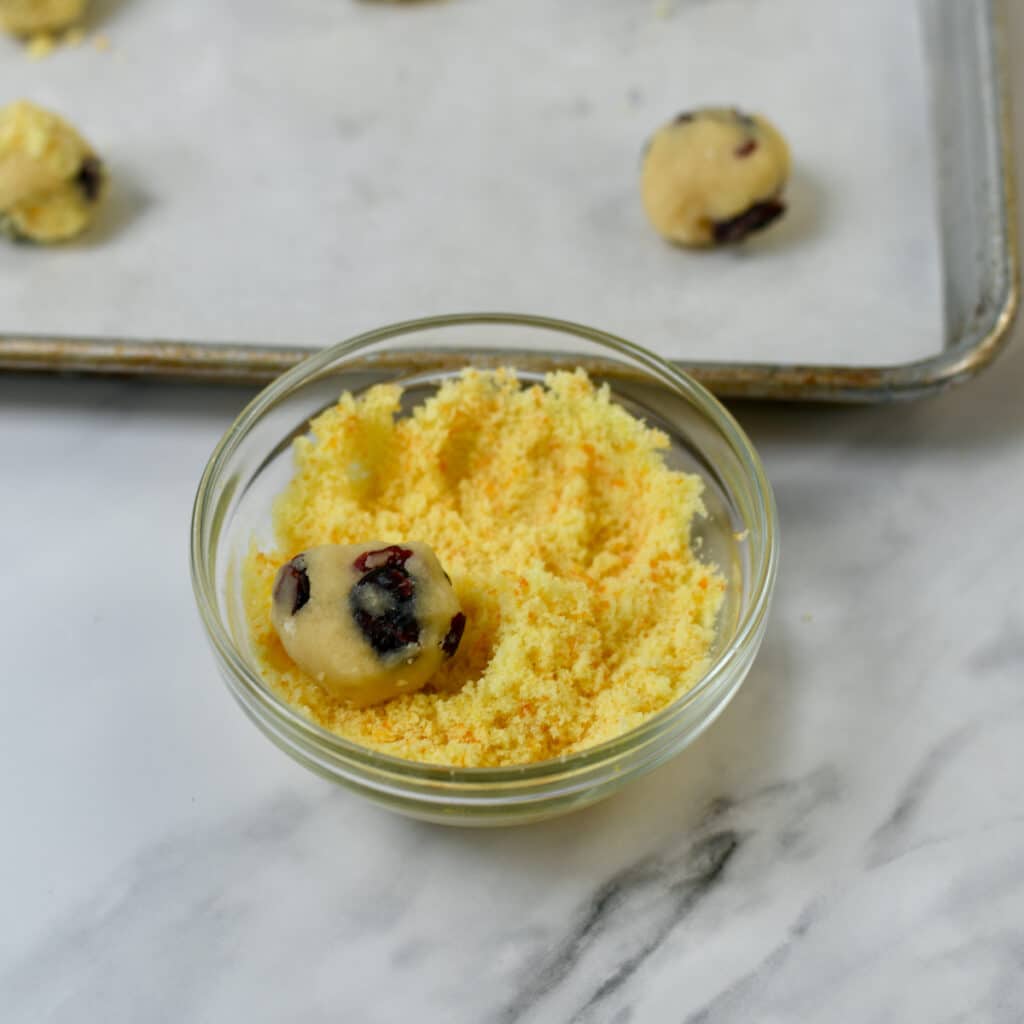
(367, 621)
(714, 176)
(27, 16)
(51, 181)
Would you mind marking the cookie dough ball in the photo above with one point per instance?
(367, 621)
(27, 16)
(714, 176)
(51, 181)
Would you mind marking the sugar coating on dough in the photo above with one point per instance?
(51, 180)
(25, 17)
(714, 176)
(567, 539)
(328, 599)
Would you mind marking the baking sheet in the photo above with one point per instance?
(294, 173)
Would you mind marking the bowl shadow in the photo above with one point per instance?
(126, 202)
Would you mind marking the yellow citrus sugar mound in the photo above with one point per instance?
(567, 539)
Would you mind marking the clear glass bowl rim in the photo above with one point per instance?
(352, 755)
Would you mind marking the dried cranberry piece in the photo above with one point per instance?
(391, 555)
(758, 216)
(452, 639)
(745, 148)
(90, 178)
(291, 588)
(382, 604)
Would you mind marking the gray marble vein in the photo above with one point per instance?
(886, 840)
(663, 892)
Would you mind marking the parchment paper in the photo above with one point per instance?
(297, 171)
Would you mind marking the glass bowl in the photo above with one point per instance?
(253, 462)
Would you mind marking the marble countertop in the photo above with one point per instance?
(845, 844)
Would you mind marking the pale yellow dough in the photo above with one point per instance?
(714, 176)
(323, 638)
(51, 180)
(27, 16)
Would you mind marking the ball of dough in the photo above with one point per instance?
(27, 16)
(714, 176)
(51, 181)
(367, 621)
